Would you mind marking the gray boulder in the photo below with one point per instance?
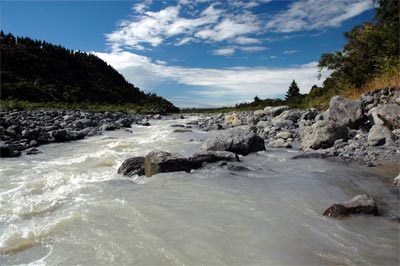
(275, 111)
(132, 166)
(234, 140)
(380, 135)
(163, 162)
(360, 204)
(385, 115)
(347, 112)
(322, 134)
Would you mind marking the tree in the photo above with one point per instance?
(293, 91)
(256, 99)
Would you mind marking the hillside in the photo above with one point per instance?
(39, 72)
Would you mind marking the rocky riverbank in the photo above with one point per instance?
(24, 131)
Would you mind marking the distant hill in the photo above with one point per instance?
(37, 71)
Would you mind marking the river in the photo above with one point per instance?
(67, 206)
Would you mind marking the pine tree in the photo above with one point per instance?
(293, 91)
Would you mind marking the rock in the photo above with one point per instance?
(310, 155)
(107, 127)
(322, 134)
(32, 151)
(385, 115)
(324, 116)
(177, 125)
(235, 140)
(132, 166)
(192, 123)
(162, 162)
(275, 111)
(59, 135)
(201, 157)
(347, 112)
(360, 204)
(235, 168)
(157, 116)
(233, 120)
(181, 130)
(124, 122)
(396, 180)
(8, 151)
(284, 135)
(380, 135)
(279, 143)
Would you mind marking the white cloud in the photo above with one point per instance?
(291, 51)
(141, 7)
(224, 51)
(316, 14)
(246, 40)
(213, 85)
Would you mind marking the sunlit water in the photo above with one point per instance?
(67, 206)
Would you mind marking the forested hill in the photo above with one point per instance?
(37, 71)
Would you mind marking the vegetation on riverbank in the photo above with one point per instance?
(36, 73)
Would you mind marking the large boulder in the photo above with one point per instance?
(380, 135)
(8, 151)
(275, 111)
(132, 166)
(347, 112)
(322, 134)
(234, 140)
(360, 204)
(385, 115)
(163, 162)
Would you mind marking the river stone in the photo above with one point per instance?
(162, 162)
(275, 111)
(8, 151)
(201, 157)
(59, 135)
(396, 180)
(284, 135)
(234, 140)
(132, 166)
(380, 135)
(360, 204)
(233, 120)
(322, 134)
(347, 112)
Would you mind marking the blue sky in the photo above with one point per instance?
(197, 53)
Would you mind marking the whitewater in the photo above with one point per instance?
(68, 206)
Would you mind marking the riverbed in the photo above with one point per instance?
(67, 206)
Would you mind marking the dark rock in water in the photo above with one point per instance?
(124, 122)
(347, 112)
(193, 123)
(322, 134)
(310, 155)
(144, 123)
(162, 162)
(360, 204)
(59, 135)
(132, 166)
(32, 151)
(108, 127)
(181, 130)
(396, 181)
(177, 125)
(236, 168)
(201, 157)
(8, 151)
(235, 140)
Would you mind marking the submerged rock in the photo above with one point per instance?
(132, 166)
(235, 140)
(360, 204)
(396, 180)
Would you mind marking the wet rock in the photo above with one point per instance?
(124, 122)
(347, 112)
(322, 134)
(8, 151)
(235, 140)
(181, 130)
(32, 151)
(201, 157)
(380, 135)
(360, 204)
(132, 166)
(59, 135)
(108, 127)
(162, 162)
(177, 125)
(310, 155)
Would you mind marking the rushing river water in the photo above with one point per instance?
(67, 206)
